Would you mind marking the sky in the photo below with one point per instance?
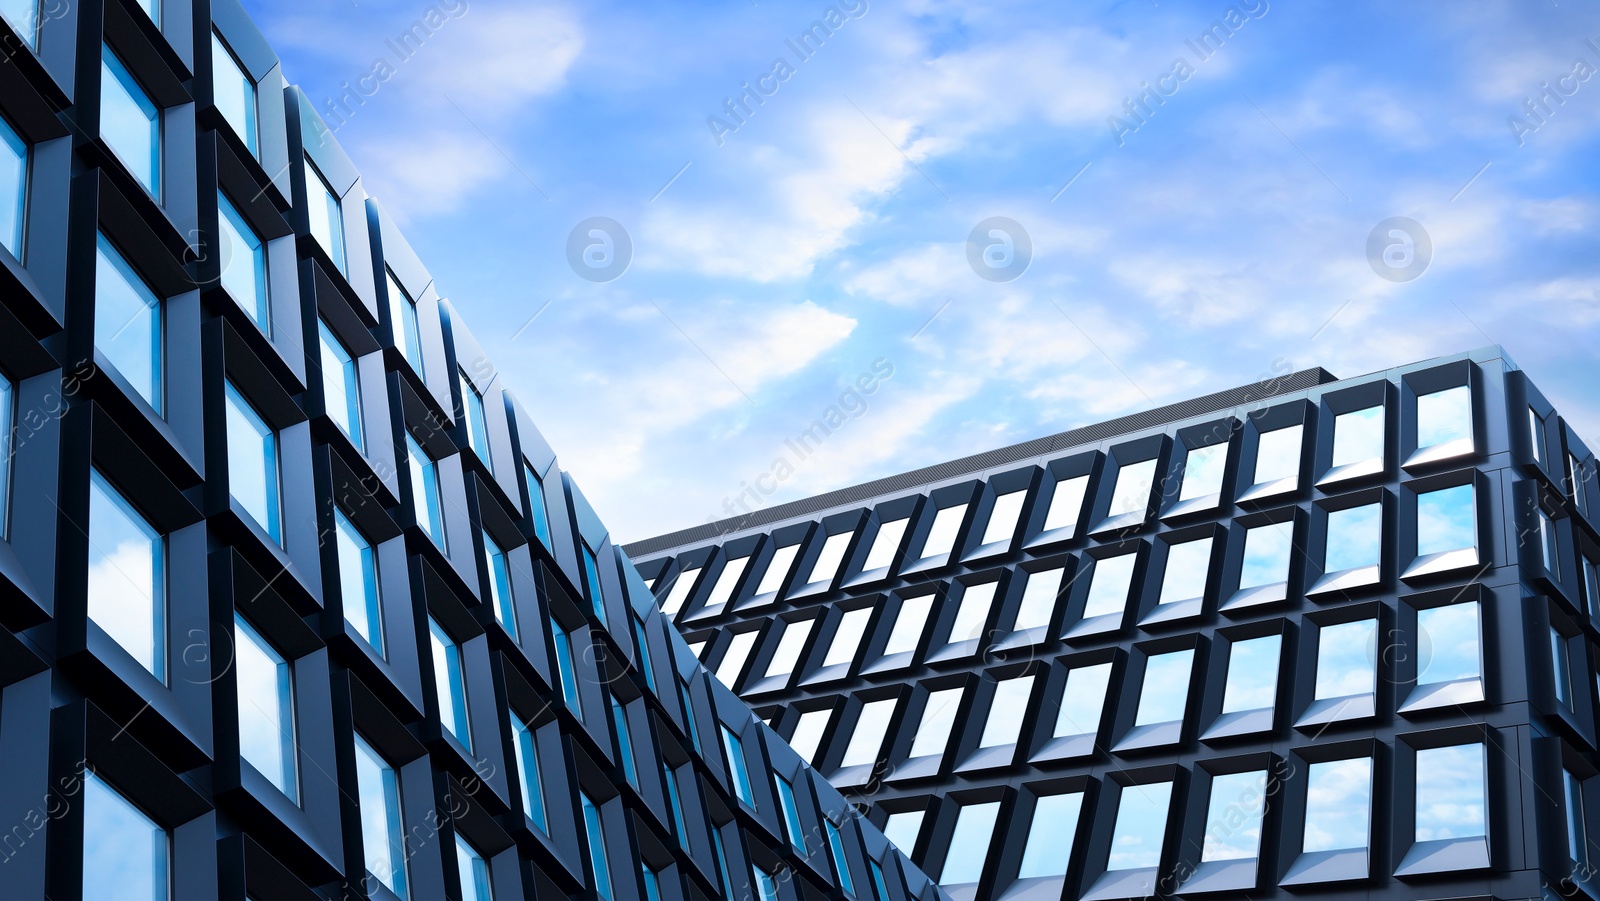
(945, 227)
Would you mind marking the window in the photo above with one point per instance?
(24, 18)
(13, 188)
(908, 625)
(1355, 538)
(735, 657)
(679, 592)
(152, 8)
(252, 463)
(884, 544)
(425, 501)
(766, 887)
(1448, 644)
(1109, 583)
(494, 561)
(1444, 421)
(879, 887)
(787, 655)
(1132, 491)
(645, 666)
(722, 589)
(1188, 564)
(973, 613)
(472, 412)
(808, 732)
(1003, 517)
(1346, 660)
(938, 717)
(1252, 674)
(722, 861)
(1447, 521)
(1006, 712)
(1140, 831)
(1561, 662)
(1266, 555)
(671, 782)
(831, 556)
(541, 518)
(1203, 469)
(1338, 805)
(652, 882)
(1066, 502)
(326, 220)
(403, 320)
(969, 843)
(871, 727)
(777, 569)
(449, 683)
(7, 452)
(791, 813)
(1536, 435)
(382, 836)
(527, 754)
(847, 638)
(266, 708)
(127, 323)
(233, 92)
(243, 258)
(1549, 554)
(1233, 817)
(1038, 606)
(1278, 458)
(474, 873)
(689, 714)
(1577, 822)
(127, 577)
(591, 572)
(619, 721)
(126, 854)
(1358, 436)
(840, 863)
(1450, 793)
(1083, 700)
(733, 753)
(1051, 835)
(130, 123)
(1165, 695)
(597, 847)
(942, 534)
(564, 668)
(341, 385)
(902, 829)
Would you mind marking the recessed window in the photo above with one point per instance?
(1447, 521)
(1449, 642)
(252, 463)
(598, 867)
(7, 452)
(766, 886)
(722, 861)
(233, 92)
(791, 813)
(1577, 822)
(1203, 469)
(1051, 835)
(23, 15)
(1266, 555)
(1346, 660)
(1575, 481)
(13, 188)
(1278, 458)
(1338, 805)
(1165, 695)
(127, 322)
(499, 570)
(382, 835)
(527, 754)
(1450, 793)
(326, 219)
(477, 425)
(1003, 517)
(670, 780)
(474, 872)
(645, 666)
(1561, 663)
(969, 843)
(1358, 436)
(243, 258)
(1444, 421)
(1141, 826)
(266, 708)
(1233, 817)
(722, 590)
(619, 721)
(591, 573)
(938, 717)
(777, 569)
(1252, 674)
(1083, 700)
(1536, 435)
(1038, 606)
(1132, 491)
(908, 624)
(688, 713)
(733, 755)
(827, 565)
(341, 385)
(867, 739)
(902, 829)
(884, 544)
(1109, 583)
(942, 534)
(1007, 710)
(808, 733)
(679, 592)
(127, 576)
(1549, 553)
(787, 655)
(403, 320)
(130, 123)
(449, 684)
(126, 854)
(565, 668)
(1066, 503)
(152, 8)
(880, 888)
(1188, 564)
(1355, 538)
(536, 508)
(735, 657)
(847, 637)
(425, 500)
(841, 864)
(973, 613)
(652, 882)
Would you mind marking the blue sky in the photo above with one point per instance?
(1221, 239)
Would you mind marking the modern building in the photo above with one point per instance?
(296, 601)
(1309, 637)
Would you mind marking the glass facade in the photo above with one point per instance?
(449, 683)
(127, 326)
(253, 463)
(130, 123)
(327, 220)
(234, 93)
(127, 579)
(126, 854)
(341, 385)
(266, 709)
(382, 833)
(243, 258)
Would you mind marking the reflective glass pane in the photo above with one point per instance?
(1536, 434)
(884, 544)
(969, 843)
(942, 534)
(252, 463)
(908, 624)
(1109, 583)
(233, 92)
(1051, 835)
(425, 503)
(722, 590)
(777, 569)
(1450, 793)
(598, 866)
(1141, 826)
(127, 581)
(1355, 538)
(1165, 695)
(1445, 416)
(682, 584)
(527, 754)
(449, 684)
(1346, 659)
(1252, 674)
(808, 732)
(382, 836)
(973, 614)
(341, 386)
(1338, 804)
(791, 813)
(1083, 700)
(327, 222)
(933, 733)
(266, 708)
(1561, 660)
(1278, 454)
(1038, 604)
(847, 638)
(125, 853)
(871, 727)
(733, 754)
(7, 453)
(1577, 832)
(129, 123)
(1447, 520)
(565, 668)
(13, 186)
(1202, 471)
(1132, 493)
(1188, 564)
(902, 829)
(1358, 436)
(1266, 555)
(1233, 818)
(787, 655)
(536, 508)
(836, 849)
(734, 658)
(243, 259)
(127, 322)
(1006, 712)
(499, 570)
(474, 873)
(1066, 503)
(24, 18)
(403, 320)
(1003, 517)
(766, 886)
(827, 565)
(1448, 642)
